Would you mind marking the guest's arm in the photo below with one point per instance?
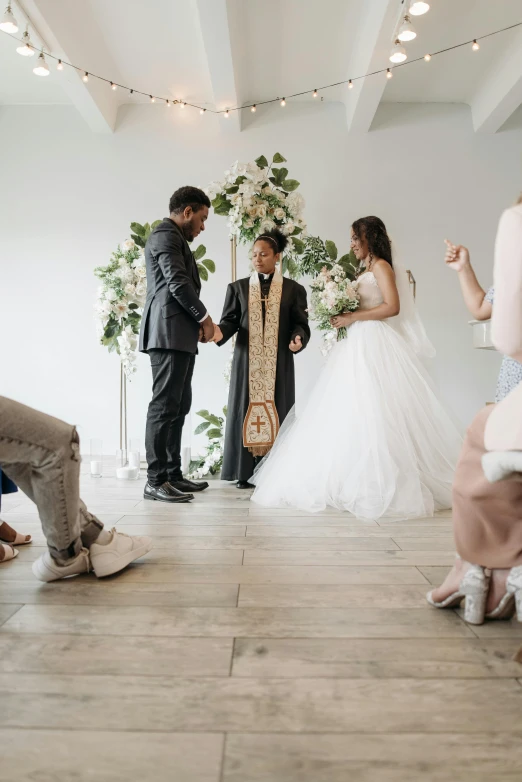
(231, 317)
(457, 258)
(299, 318)
(507, 313)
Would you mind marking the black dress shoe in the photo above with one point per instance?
(245, 485)
(161, 494)
(189, 486)
(170, 489)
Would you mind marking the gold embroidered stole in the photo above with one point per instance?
(261, 423)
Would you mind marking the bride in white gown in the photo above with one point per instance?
(373, 439)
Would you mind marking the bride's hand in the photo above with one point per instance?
(341, 321)
(457, 256)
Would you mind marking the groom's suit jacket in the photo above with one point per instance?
(173, 310)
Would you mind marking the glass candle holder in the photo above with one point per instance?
(125, 471)
(96, 458)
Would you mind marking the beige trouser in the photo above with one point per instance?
(42, 456)
(487, 517)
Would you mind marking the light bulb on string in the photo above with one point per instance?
(253, 109)
(152, 99)
(59, 67)
(41, 68)
(85, 77)
(398, 53)
(475, 46)
(202, 111)
(26, 47)
(9, 23)
(350, 85)
(283, 102)
(418, 8)
(227, 114)
(114, 86)
(427, 57)
(315, 93)
(182, 104)
(389, 74)
(407, 31)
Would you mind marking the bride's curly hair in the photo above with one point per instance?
(374, 231)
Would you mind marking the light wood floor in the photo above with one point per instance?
(251, 646)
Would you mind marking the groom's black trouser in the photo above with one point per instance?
(172, 372)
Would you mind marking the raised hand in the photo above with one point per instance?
(296, 344)
(457, 256)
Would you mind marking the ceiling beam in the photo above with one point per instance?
(68, 37)
(373, 43)
(501, 92)
(215, 30)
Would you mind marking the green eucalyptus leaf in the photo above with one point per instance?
(155, 224)
(202, 427)
(225, 409)
(290, 185)
(297, 231)
(202, 413)
(299, 245)
(262, 162)
(203, 273)
(139, 241)
(214, 434)
(199, 252)
(137, 228)
(331, 249)
(211, 266)
(231, 190)
(278, 158)
(240, 180)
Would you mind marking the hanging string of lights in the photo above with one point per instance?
(406, 32)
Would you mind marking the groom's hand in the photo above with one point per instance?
(296, 344)
(208, 329)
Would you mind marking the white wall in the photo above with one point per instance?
(67, 198)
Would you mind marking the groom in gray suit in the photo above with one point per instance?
(174, 320)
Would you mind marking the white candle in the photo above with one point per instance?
(127, 473)
(185, 458)
(134, 459)
(96, 468)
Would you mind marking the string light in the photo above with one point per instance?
(152, 99)
(389, 74)
(227, 114)
(41, 68)
(427, 57)
(418, 8)
(202, 111)
(59, 67)
(131, 92)
(350, 85)
(85, 77)
(9, 23)
(315, 93)
(407, 31)
(114, 86)
(475, 46)
(283, 102)
(398, 53)
(253, 109)
(26, 47)
(168, 104)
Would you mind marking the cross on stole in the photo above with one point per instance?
(258, 423)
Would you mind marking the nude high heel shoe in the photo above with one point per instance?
(512, 599)
(474, 588)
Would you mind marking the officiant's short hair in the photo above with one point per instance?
(188, 196)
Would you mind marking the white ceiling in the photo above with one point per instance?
(272, 47)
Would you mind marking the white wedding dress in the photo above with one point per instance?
(373, 439)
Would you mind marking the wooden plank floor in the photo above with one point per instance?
(252, 646)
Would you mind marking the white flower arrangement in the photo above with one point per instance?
(120, 301)
(258, 197)
(332, 293)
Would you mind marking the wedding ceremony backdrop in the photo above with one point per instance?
(419, 150)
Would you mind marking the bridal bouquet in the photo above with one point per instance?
(332, 293)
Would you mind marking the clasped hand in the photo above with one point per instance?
(343, 320)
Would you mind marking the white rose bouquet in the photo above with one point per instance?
(332, 294)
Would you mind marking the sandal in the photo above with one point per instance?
(15, 538)
(7, 552)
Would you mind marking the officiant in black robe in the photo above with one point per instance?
(270, 339)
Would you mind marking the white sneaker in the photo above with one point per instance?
(46, 569)
(118, 553)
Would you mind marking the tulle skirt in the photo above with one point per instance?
(372, 438)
